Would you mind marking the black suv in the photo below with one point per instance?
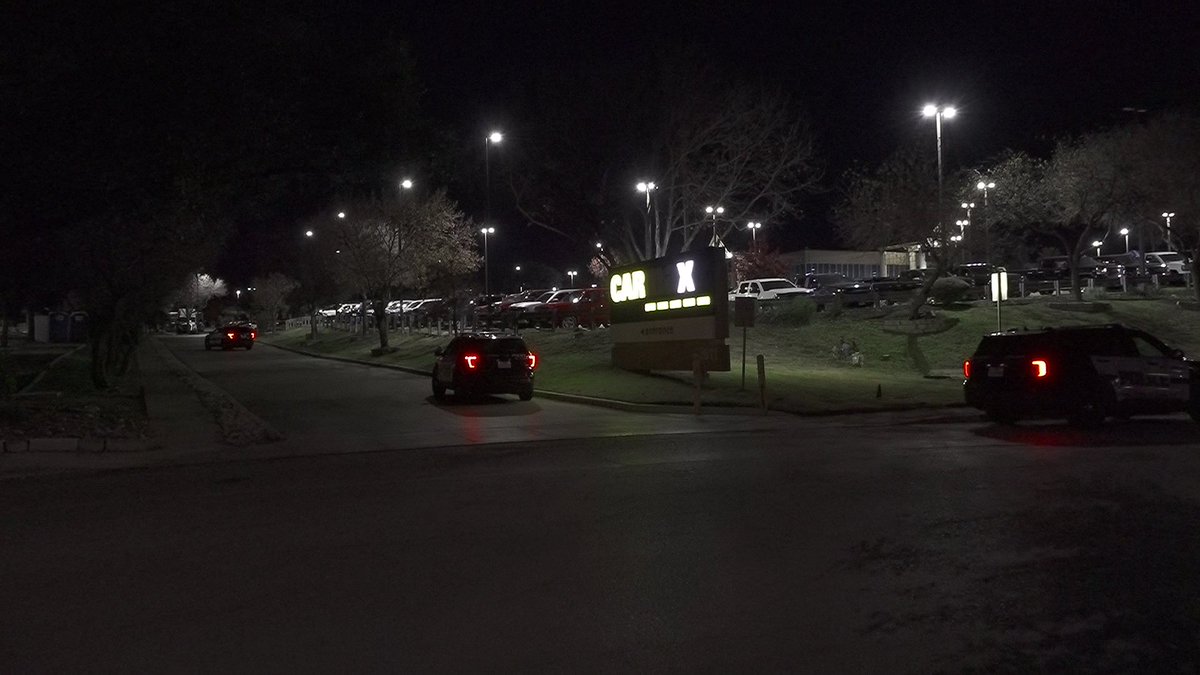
(484, 363)
(1082, 373)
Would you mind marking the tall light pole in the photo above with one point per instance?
(486, 231)
(647, 187)
(572, 273)
(1125, 233)
(938, 113)
(714, 211)
(983, 186)
(754, 227)
(1097, 243)
(519, 286)
(488, 141)
(1169, 216)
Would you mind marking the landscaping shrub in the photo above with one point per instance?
(949, 290)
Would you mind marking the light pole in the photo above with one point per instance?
(342, 215)
(1125, 233)
(488, 141)
(572, 274)
(519, 286)
(1169, 216)
(938, 113)
(486, 231)
(1097, 243)
(647, 187)
(309, 233)
(754, 227)
(984, 186)
(714, 211)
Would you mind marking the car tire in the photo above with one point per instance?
(568, 323)
(439, 389)
(526, 393)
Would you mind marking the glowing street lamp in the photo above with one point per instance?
(754, 227)
(1097, 244)
(342, 215)
(647, 187)
(1169, 216)
(572, 274)
(938, 113)
(406, 184)
(309, 233)
(485, 231)
(714, 211)
(1125, 233)
(518, 271)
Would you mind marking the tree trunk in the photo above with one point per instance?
(3, 326)
(99, 366)
(381, 324)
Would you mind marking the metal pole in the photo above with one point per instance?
(938, 126)
(487, 179)
(485, 265)
(743, 359)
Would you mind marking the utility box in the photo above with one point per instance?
(78, 331)
(60, 327)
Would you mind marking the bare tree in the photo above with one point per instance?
(198, 290)
(270, 293)
(704, 139)
(897, 203)
(384, 245)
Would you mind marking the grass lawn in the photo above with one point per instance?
(803, 374)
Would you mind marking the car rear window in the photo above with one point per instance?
(505, 346)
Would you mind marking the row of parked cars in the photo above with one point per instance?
(559, 308)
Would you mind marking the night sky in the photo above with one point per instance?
(1019, 73)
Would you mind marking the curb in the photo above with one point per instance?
(629, 406)
(77, 445)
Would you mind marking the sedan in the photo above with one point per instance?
(230, 336)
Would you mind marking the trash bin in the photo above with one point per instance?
(60, 327)
(79, 327)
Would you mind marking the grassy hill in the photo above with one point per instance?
(803, 373)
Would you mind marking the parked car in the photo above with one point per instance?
(186, 326)
(485, 307)
(1082, 373)
(328, 312)
(232, 335)
(514, 312)
(893, 289)
(829, 288)
(547, 308)
(767, 289)
(571, 308)
(484, 363)
(1173, 263)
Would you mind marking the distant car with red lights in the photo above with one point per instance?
(1081, 373)
(484, 363)
(232, 335)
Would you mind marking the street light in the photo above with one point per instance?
(984, 186)
(519, 286)
(486, 231)
(309, 233)
(647, 187)
(1125, 232)
(714, 211)
(1097, 244)
(572, 274)
(938, 113)
(1169, 216)
(754, 227)
(342, 215)
(407, 184)
(491, 139)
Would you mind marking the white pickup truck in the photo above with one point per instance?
(1175, 263)
(767, 289)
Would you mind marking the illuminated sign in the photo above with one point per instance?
(627, 286)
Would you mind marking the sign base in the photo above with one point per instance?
(672, 355)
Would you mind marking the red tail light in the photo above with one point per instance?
(253, 335)
(532, 360)
(967, 369)
(231, 336)
(471, 360)
(1041, 367)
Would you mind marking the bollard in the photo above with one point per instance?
(762, 382)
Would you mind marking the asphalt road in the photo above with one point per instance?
(832, 545)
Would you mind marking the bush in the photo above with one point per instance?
(949, 290)
(788, 312)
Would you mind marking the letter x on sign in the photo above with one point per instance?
(686, 285)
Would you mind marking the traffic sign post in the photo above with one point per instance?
(999, 293)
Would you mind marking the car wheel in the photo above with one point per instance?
(569, 322)
(526, 393)
(439, 389)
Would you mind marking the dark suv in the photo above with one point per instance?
(484, 363)
(1082, 373)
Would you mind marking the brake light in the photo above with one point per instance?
(470, 360)
(253, 335)
(532, 360)
(967, 369)
(231, 336)
(1040, 367)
